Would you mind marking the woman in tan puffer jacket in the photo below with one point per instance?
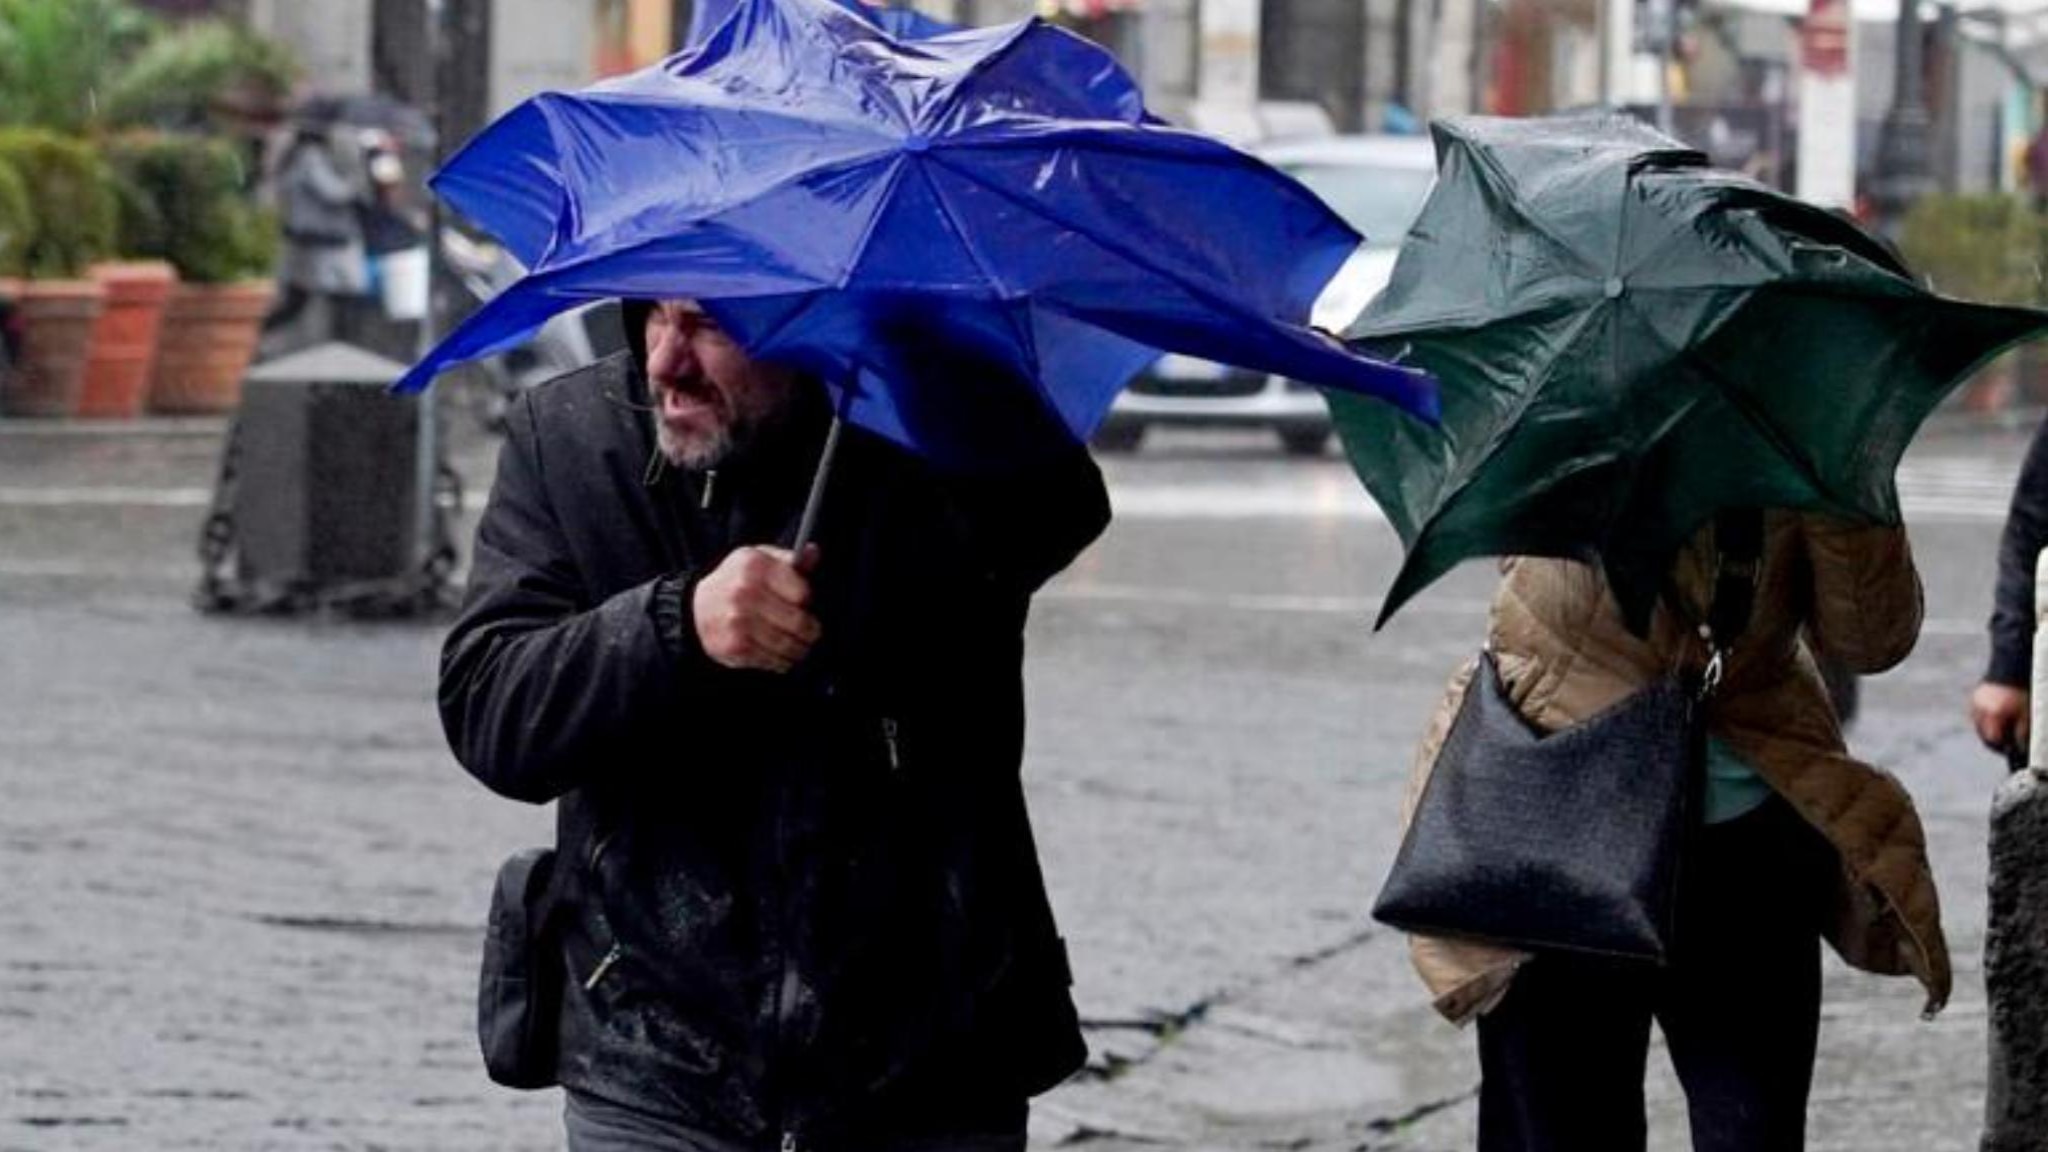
(1802, 841)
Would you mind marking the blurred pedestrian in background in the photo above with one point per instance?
(322, 191)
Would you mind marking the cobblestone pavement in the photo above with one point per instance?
(243, 879)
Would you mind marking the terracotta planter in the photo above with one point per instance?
(209, 336)
(57, 319)
(124, 343)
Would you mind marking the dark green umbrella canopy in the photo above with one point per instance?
(1628, 341)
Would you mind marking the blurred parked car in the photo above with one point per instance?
(1378, 184)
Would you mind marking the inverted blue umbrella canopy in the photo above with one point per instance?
(845, 201)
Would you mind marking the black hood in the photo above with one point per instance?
(633, 316)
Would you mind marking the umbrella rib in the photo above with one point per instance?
(1751, 415)
(707, 218)
(1535, 223)
(867, 232)
(1215, 299)
(1462, 479)
(1441, 322)
(938, 112)
(960, 234)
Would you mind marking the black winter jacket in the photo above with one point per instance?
(2026, 533)
(805, 904)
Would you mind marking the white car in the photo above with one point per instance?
(1377, 184)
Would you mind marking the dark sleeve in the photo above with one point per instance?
(1026, 526)
(2026, 533)
(541, 686)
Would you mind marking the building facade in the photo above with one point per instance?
(1244, 69)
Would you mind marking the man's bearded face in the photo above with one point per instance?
(710, 397)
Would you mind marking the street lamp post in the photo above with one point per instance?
(1904, 172)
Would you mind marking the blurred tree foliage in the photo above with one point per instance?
(1988, 248)
(82, 66)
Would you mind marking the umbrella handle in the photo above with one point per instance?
(808, 524)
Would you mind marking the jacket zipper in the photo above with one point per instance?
(889, 731)
(710, 486)
(616, 951)
(604, 967)
(789, 1143)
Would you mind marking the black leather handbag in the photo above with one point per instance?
(1573, 840)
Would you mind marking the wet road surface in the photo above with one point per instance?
(244, 879)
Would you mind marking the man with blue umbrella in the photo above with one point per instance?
(799, 904)
(795, 901)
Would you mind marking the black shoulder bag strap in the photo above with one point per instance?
(1739, 545)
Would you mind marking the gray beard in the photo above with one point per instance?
(697, 453)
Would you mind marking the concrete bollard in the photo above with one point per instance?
(2016, 967)
(2016, 935)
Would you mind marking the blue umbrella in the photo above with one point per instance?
(845, 201)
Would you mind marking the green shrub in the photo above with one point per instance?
(81, 66)
(59, 58)
(183, 74)
(17, 222)
(258, 237)
(184, 204)
(71, 198)
(1987, 248)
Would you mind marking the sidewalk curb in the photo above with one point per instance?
(165, 426)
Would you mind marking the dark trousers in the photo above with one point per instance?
(1562, 1057)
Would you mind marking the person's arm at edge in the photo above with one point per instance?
(2026, 533)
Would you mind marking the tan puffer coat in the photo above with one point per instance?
(1851, 591)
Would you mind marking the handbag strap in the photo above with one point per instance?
(1738, 563)
(1739, 543)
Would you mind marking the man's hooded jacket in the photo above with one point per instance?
(805, 903)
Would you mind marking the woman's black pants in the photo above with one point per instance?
(1563, 1055)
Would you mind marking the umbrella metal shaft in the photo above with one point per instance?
(807, 525)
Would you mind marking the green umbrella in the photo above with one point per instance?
(1628, 341)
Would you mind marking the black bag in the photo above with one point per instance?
(519, 994)
(1570, 841)
(1566, 842)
